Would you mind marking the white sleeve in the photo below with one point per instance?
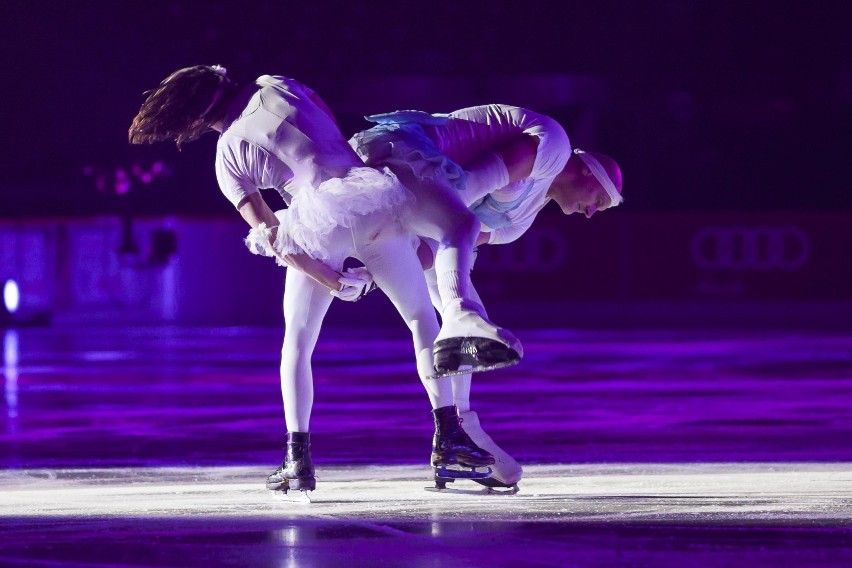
(237, 169)
(243, 168)
(521, 217)
(554, 147)
(509, 233)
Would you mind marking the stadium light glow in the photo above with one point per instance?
(11, 296)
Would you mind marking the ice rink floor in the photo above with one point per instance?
(149, 447)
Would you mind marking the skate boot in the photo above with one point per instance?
(469, 343)
(297, 470)
(506, 471)
(454, 455)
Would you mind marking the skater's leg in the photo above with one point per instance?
(297, 469)
(454, 454)
(393, 263)
(466, 336)
(305, 304)
(441, 215)
(461, 383)
(506, 471)
(396, 270)
(432, 285)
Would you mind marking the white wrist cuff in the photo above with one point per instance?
(258, 240)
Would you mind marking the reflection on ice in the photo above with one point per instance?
(10, 374)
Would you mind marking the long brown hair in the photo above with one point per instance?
(177, 109)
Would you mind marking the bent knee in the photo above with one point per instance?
(462, 225)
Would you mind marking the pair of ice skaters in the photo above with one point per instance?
(417, 191)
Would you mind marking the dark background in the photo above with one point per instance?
(709, 105)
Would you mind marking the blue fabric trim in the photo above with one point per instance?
(406, 116)
(413, 147)
(495, 214)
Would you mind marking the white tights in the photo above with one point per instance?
(441, 215)
(390, 257)
(461, 383)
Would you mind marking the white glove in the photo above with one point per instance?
(355, 284)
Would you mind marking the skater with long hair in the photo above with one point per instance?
(277, 133)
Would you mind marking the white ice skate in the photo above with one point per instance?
(506, 472)
(469, 343)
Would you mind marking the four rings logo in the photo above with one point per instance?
(751, 248)
(539, 250)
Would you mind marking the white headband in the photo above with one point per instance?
(600, 174)
(218, 94)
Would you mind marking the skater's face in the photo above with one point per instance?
(586, 201)
(576, 190)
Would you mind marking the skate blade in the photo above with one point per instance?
(479, 490)
(468, 473)
(448, 474)
(463, 355)
(494, 487)
(297, 496)
(474, 369)
(487, 485)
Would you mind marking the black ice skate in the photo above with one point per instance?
(297, 469)
(454, 455)
(469, 343)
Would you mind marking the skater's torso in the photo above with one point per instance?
(509, 211)
(471, 131)
(277, 136)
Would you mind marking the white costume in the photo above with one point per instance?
(505, 212)
(276, 135)
(439, 146)
(442, 145)
(283, 139)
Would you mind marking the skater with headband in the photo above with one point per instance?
(506, 163)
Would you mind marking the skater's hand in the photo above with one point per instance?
(355, 283)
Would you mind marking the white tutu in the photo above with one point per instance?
(364, 195)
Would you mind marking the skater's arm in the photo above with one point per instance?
(255, 211)
(519, 157)
(319, 271)
(499, 167)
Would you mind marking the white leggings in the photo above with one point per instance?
(440, 214)
(461, 383)
(390, 257)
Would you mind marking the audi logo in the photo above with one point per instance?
(540, 250)
(760, 248)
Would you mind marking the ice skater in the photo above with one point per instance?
(277, 133)
(506, 163)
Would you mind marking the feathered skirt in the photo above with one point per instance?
(406, 144)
